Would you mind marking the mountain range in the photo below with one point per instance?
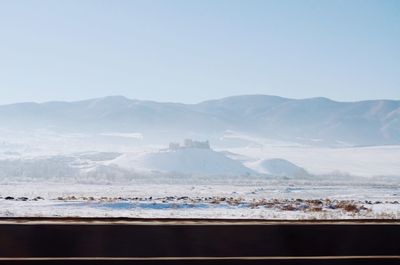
(318, 121)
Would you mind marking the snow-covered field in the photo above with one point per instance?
(357, 161)
(276, 199)
(48, 174)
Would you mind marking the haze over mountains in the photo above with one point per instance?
(120, 139)
(317, 121)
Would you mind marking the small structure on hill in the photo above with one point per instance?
(189, 143)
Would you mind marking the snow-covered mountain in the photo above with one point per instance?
(318, 121)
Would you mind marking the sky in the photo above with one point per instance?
(190, 51)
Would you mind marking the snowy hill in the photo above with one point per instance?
(171, 165)
(278, 167)
(95, 167)
(189, 161)
(317, 121)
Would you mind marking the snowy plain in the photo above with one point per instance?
(43, 173)
(270, 199)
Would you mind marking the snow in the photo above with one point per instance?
(265, 200)
(277, 167)
(189, 161)
(133, 135)
(356, 161)
(149, 183)
(247, 164)
(264, 148)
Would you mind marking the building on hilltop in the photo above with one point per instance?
(174, 146)
(189, 143)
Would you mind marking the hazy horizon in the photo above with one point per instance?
(197, 102)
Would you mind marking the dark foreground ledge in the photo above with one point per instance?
(195, 242)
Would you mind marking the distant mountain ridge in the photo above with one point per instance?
(311, 120)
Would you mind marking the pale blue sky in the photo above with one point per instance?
(189, 51)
